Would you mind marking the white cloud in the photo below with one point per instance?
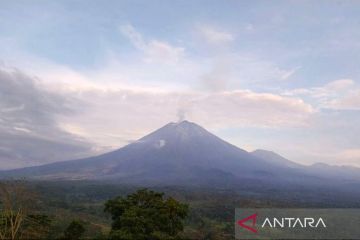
(22, 129)
(338, 85)
(342, 94)
(154, 50)
(113, 120)
(160, 83)
(157, 64)
(215, 36)
(238, 71)
(351, 156)
(351, 101)
(162, 51)
(352, 153)
(134, 36)
(287, 74)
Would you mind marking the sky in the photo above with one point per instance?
(78, 78)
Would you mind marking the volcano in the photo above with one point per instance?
(177, 153)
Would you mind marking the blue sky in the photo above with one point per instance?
(279, 75)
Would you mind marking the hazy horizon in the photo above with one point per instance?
(78, 77)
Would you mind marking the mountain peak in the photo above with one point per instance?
(183, 123)
(274, 158)
(183, 153)
(178, 130)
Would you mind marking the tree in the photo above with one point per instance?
(74, 231)
(146, 215)
(36, 226)
(18, 218)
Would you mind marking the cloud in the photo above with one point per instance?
(154, 50)
(341, 94)
(351, 156)
(117, 116)
(215, 36)
(126, 96)
(100, 112)
(350, 101)
(28, 117)
(244, 108)
(344, 95)
(135, 37)
(157, 64)
(339, 85)
(23, 103)
(113, 106)
(287, 74)
(219, 76)
(238, 71)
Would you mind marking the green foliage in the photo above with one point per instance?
(210, 214)
(37, 226)
(19, 217)
(74, 231)
(146, 215)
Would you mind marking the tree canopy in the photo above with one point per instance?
(74, 231)
(18, 216)
(146, 215)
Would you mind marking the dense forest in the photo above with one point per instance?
(108, 210)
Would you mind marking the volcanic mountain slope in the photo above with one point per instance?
(275, 159)
(321, 170)
(177, 153)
